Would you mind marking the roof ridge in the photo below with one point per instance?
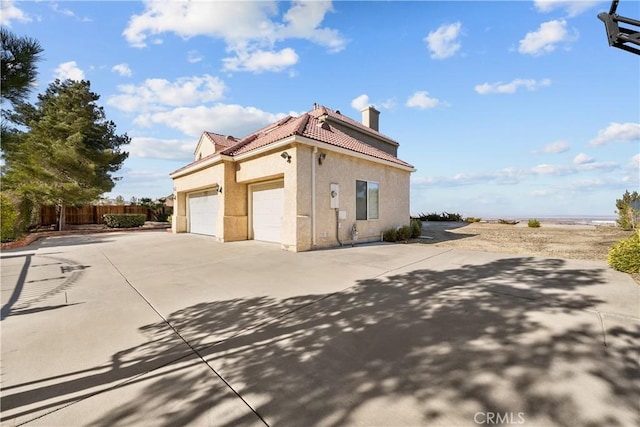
(299, 130)
(244, 141)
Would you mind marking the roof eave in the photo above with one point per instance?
(330, 147)
(196, 166)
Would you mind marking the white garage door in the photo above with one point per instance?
(203, 211)
(268, 210)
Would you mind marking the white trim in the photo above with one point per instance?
(195, 167)
(279, 144)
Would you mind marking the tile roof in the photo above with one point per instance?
(310, 126)
(320, 110)
(223, 140)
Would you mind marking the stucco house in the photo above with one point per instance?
(317, 180)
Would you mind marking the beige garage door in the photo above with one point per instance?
(268, 210)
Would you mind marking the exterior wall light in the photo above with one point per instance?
(286, 156)
(321, 158)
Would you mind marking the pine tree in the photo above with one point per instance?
(19, 58)
(18, 77)
(627, 210)
(69, 152)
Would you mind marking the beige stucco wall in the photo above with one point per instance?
(204, 148)
(344, 171)
(238, 177)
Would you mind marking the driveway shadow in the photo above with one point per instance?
(513, 336)
(440, 231)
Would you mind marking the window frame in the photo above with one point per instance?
(368, 200)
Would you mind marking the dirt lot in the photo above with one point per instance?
(586, 242)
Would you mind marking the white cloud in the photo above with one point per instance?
(556, 147)
(582, 159)
(360, 102)
(624, 132)
(511, 87)
(154, 94)
(193, 56)
(226, 119)
(303, 20)
(388, 104)
(165, 149)
(259, 61)
(68, 70)
(67, 12)
(546, 38)
(250, 29)
(11, 13)
(545, 169)
(572, 7)
(506, 176)
(562, 170)
(443, 42)
(122, 69)
(635, 162)
(512, 176)
(422, 100)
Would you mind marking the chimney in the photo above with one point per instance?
(370, 117)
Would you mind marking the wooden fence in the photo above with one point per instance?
(93, 214)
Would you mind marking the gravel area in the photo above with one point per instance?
(588, 242)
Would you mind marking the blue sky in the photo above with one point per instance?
(505, 108)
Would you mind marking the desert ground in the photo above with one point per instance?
(587, 242)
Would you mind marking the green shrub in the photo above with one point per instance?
(507, 222)
(391, 235)
(444, 216)
(124, 220)
(533, 223)
(472, 219)
(416, 228)
(404, 233)
(8, 219)
(625, 255)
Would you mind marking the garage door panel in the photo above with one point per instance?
(268, 210)
(203, 211)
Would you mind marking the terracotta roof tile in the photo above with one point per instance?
(321, 110)
(223, 140)
(309, 126)
(332, 135)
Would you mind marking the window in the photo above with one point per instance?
(367, 200)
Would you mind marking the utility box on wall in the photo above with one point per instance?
(335, 196)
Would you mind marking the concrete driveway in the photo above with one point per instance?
(155, 329)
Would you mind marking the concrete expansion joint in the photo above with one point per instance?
(604, 329)
(193, 349)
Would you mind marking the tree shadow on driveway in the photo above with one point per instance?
(425, 347)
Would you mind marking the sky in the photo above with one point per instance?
(505, 108)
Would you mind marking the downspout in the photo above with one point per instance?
(338, 226)
(313, 197)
